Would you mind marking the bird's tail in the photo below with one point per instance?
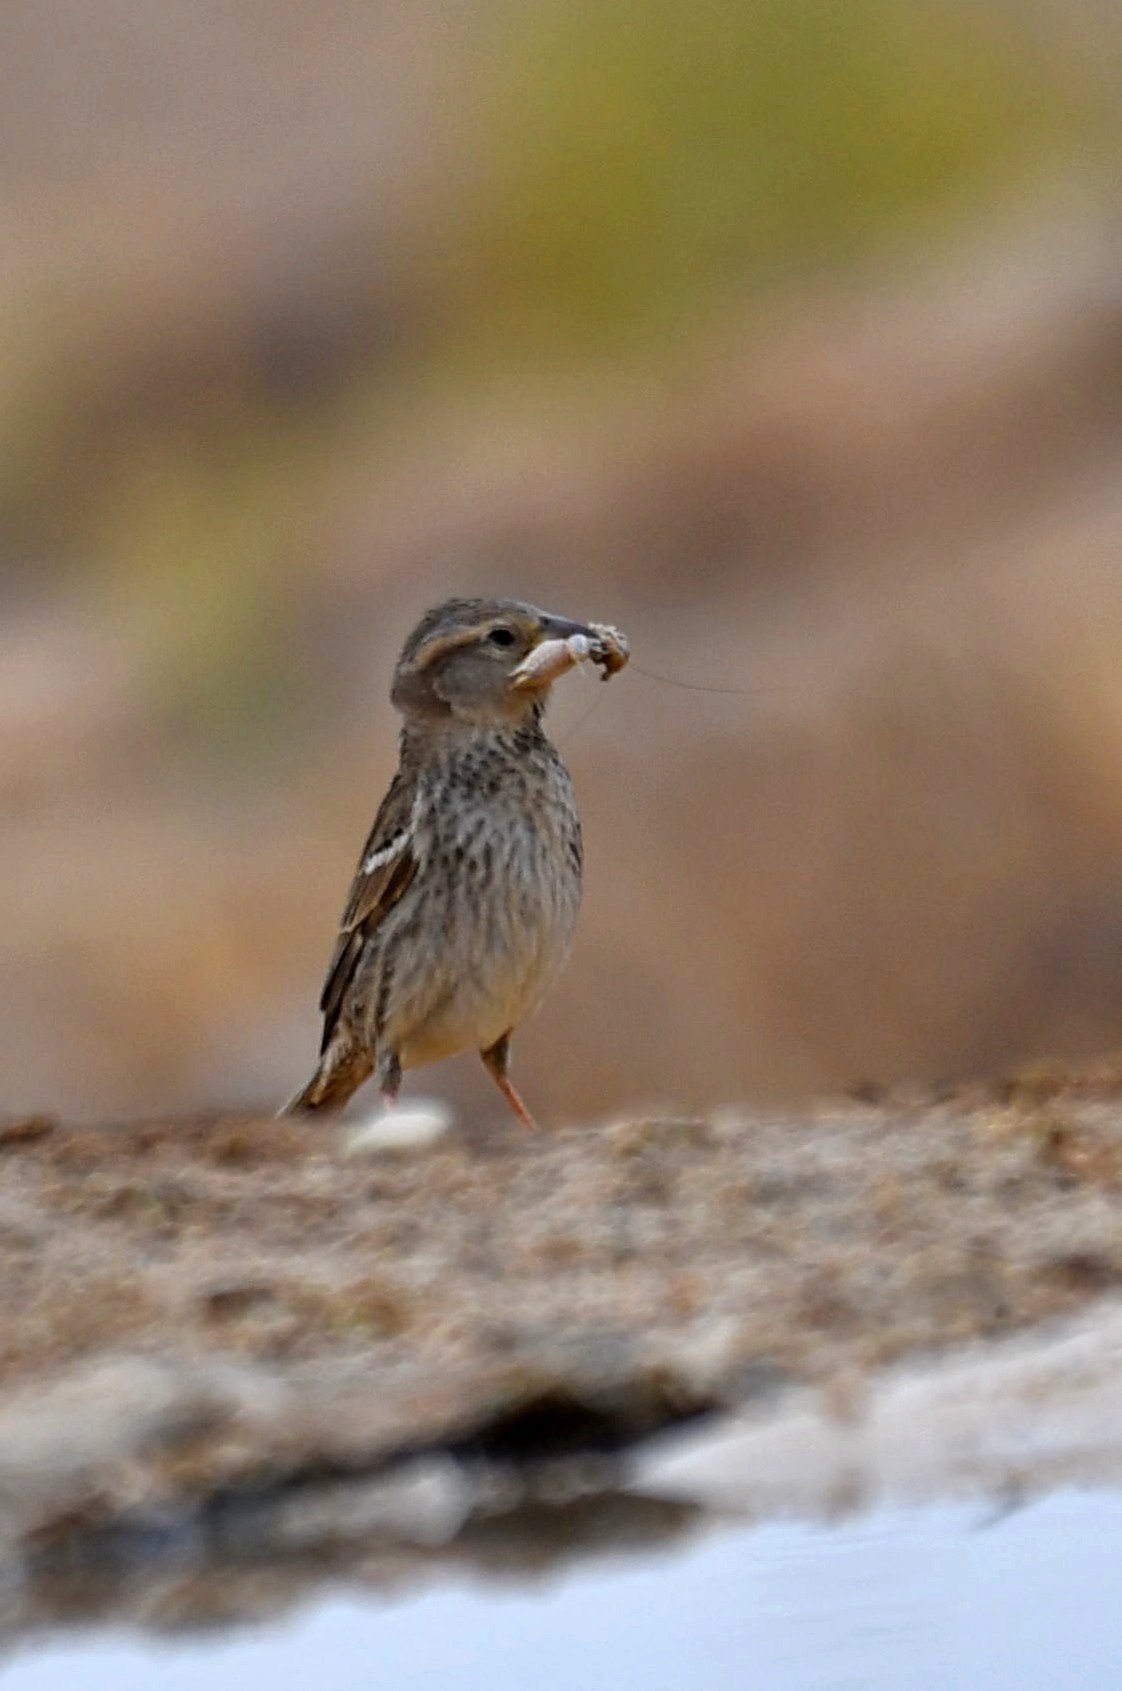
(338, 1076)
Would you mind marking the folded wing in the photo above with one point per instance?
(385, 872)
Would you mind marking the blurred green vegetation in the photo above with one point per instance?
(636, 169)
(200, 569)
(646, 159)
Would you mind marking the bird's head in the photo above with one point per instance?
(471, 659)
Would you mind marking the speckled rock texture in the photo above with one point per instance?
(202, 1310)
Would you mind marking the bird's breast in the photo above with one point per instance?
(498, 891)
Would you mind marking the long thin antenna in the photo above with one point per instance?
(568, 735)
(700, 687)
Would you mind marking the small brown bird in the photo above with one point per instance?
(466, 895)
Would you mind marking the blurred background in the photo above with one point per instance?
(786, 335)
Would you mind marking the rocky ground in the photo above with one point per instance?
(200, 1314)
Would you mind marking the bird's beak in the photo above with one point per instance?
(560, 628)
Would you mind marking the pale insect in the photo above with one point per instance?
(607, 648)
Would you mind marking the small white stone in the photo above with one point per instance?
(410, 1128)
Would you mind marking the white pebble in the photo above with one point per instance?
(405, 1129)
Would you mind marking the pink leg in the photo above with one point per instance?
(389, 1079)
(495, 1060)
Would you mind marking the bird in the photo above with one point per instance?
(464, 903)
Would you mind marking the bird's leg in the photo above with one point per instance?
(496, 1060)
(389, 1078)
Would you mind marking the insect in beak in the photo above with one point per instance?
(550, 659)
(602, 645)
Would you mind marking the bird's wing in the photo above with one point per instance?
(386, 868)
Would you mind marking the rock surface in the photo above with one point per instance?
(232, 1308)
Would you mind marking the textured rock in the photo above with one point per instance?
(213, 1310)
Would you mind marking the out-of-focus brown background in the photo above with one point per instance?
(788, 336)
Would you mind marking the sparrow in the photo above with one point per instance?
(465, 899)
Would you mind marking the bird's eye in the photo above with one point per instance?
(502, 637)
